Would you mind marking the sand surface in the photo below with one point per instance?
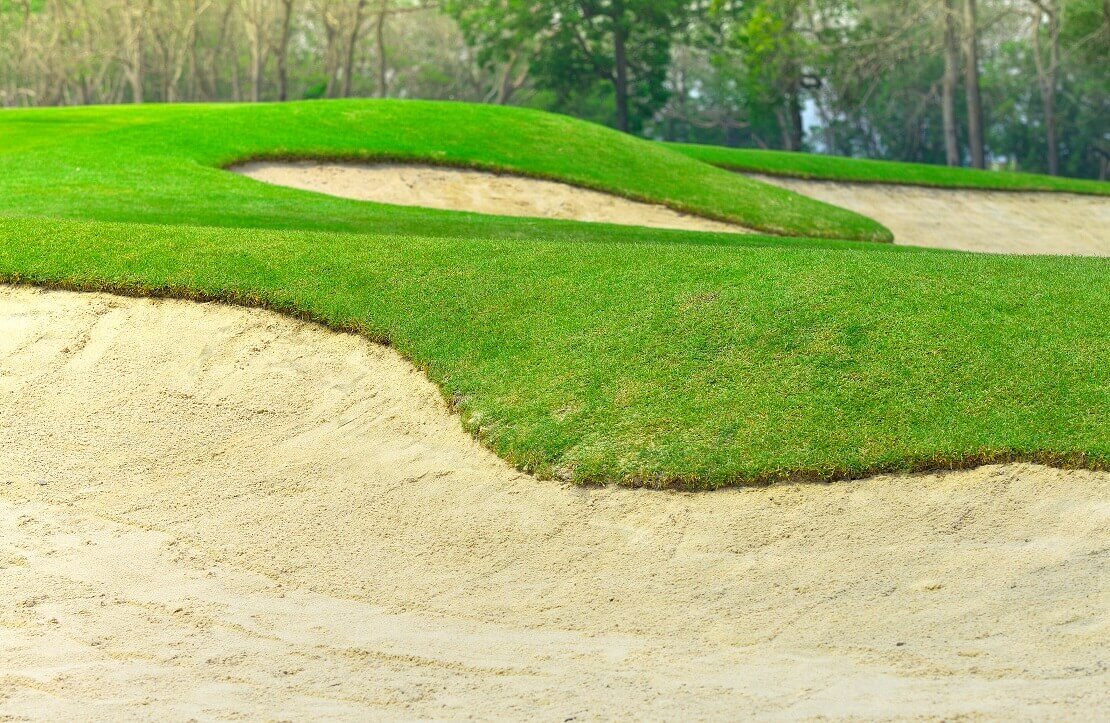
(455, 189)
(983, 221)
(986, 221)
(208, 511)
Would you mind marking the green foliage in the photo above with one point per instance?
(773, 53)
(572, 45)
(861, 78)
(757, 57)
(316, 90)
(1017, 113)
(21, 6)
(869, 72)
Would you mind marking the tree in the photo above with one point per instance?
(971, 86)
(343, 22)
(384, 11)
(506, 37)
(951, 80)
(1046, 21)
(575, 43)
(131, 46)
(258, 16)
(281, 49)
(709, 100)
(877, 78)
(1077, 100)
(775, 50)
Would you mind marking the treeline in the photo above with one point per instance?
(1019, 83)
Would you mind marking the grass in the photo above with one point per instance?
(168, 149)
(833, 168)
(590, 353)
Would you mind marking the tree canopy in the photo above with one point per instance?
(1025, 81)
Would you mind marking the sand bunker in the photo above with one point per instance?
(214, 512)
(986, 221)
(454, 189)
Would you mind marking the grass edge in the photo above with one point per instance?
(918, 464)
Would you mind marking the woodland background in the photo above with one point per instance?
(1021, 84)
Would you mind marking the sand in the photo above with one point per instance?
(455, 189)
(968, 220)
(210, 512)
(984, 221)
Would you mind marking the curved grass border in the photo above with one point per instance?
(506, 401)
(816, 167)
(680, 483)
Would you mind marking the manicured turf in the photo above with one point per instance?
(594, 353)
(162, 163)
(832, 168)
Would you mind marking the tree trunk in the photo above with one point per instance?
(1050, 105)
(620, 79)
(1047, 75)
(951, 80)
(352, 45)
(255, 72)
(193, 86)
(974, 99)
(504, 85)
(379, 41)
(790, 120)
(236, 81)
(283, 49)
(331, 53)
(789, 117)
(786, 140)
(136, 72)
(797, 129)
(513, 78)
(256, 24)
(135, 78)
(216, 53)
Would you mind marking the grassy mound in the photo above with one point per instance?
(833, 168)
(590, 352)
(161, 164)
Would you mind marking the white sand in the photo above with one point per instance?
(213, 512)
(455, 189)
(986, 221)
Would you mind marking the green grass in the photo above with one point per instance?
(593, 353)
(833, 168)
(169, 167)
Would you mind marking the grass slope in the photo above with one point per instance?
(834, 168)
(134, 164)
(594, 353)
